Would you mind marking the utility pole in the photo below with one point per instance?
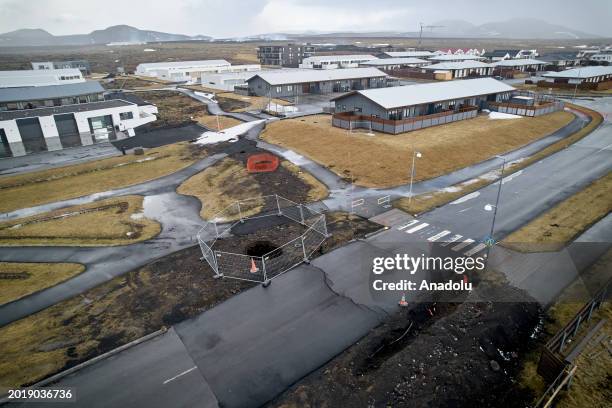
(421, 26)
(415, 155)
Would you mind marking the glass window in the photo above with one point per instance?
(126, 115)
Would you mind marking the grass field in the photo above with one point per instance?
(133, 82)
(428, 201)
(231, 102)
(115, 221)
(62, 183)
(221, 185)
(176, 109)
(228, 181)
(552, 230)
(21, 279)
(384, 160)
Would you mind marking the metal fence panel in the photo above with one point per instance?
(240, 266)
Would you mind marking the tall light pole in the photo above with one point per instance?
(576, 87)
(415, 155)
(488, 206)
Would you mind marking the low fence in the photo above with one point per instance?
(525, 110)
(273, 263)
(349, 121)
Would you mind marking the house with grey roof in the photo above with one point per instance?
(461, 69)
(290, 83)
(45, 118)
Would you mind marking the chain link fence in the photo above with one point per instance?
(266, 267)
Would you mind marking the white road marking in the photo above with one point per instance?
(438, 236)
(511, 176)
(474, 250)
(465, 209)
(466, 197)
(452, 239)
(603, 148)
(181, 374)
(462, 245)
(408, 225)
(417, 228)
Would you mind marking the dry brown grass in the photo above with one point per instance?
(134, 82)
(115, 221)
(428, 201)
(62, 183)
(252, 102)
(220, 186)
(32, 277)
(318, 191)
(384, 160)
(217, 122)
(561, 224)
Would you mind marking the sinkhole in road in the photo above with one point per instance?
(261, 248)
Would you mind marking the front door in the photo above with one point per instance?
(31, 135)
(5, 148)
(101, 127)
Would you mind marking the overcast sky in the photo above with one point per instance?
(229, 18)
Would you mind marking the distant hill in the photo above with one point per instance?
(115, 34)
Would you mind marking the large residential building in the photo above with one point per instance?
(454, 58)
(462, 69)
(287, 55)
(81, 65)
(560, 59)
(335, 61)
(404, 108)
(591, 74)
(289, 83)
(395, 63)
(605, 57)
(54, 128)
(50, 96)
(21, 78)
(179, 71)
(406, 54)
(523, 65)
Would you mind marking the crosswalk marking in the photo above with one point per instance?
(476, 249)
(407, 225)
(438, 236)
(451, 240)
(462, 245)
(417, 228)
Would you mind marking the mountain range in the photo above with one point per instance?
(115, 34)
(518, 28)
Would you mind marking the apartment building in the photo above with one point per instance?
(286, 55)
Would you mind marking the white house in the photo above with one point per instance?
(14, 79)
(592, 74)
(178, 71)
(602, 57)
(335, 61)
(395, 63)
(54, 128)
(226, 81)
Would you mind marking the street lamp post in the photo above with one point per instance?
(415, 155)
(495, 207)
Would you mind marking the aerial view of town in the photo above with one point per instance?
(306, 204)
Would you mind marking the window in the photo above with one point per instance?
(279, 89)
(126, 115)
(357, 109)
(289, 88)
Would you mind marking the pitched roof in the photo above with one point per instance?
(582, 72)
(517, 62)
(182, 64)
(454, 57)
(501, 53)
(319, 58)
(408, 95)
(30, 93)
(56, 110)
(403, 54)
(297, 76)
(395, 61)
(458, 65)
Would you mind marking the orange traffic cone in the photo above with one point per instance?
(465, 279)
(254, 268)
(403, 302)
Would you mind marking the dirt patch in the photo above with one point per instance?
(115, 221)
(465, 355)
(162, 293)
(384, 160)
(231, 102)
(224, 183)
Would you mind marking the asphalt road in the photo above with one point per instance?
(156, 373)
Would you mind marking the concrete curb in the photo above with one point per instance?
(4, 398)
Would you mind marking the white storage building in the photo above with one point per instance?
(178, 71)
(335, 61)
(46, 77)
